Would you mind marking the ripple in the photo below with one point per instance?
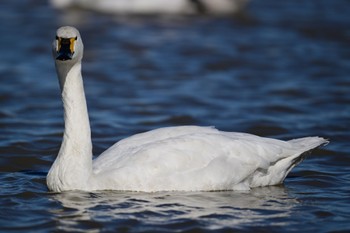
(280, 69)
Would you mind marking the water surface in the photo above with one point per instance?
(277, 69)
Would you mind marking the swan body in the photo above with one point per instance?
(187, 7)
(185, 158)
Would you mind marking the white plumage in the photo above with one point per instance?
(187, 158)
(187, 7)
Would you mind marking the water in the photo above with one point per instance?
(278, 69)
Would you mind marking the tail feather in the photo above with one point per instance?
(305, 146)
(278, 172)
(308, 143)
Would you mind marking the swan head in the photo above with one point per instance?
(67, 46)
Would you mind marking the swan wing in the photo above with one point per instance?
(194, 158)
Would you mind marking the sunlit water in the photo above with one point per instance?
(279, 69)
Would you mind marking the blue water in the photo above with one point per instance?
(278, 69)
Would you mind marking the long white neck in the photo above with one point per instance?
(73, 165)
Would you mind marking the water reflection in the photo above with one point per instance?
(209, 210)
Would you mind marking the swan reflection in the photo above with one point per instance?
(90, 212)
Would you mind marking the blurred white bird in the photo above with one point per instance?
(154, 6)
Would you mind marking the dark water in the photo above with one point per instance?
(279, 69)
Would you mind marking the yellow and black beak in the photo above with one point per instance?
(65, 48)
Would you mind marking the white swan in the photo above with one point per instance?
(184, 158)
(154, 6)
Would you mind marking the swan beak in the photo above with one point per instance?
(65, 48)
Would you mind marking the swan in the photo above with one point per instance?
(183, 158)
(187, 7)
